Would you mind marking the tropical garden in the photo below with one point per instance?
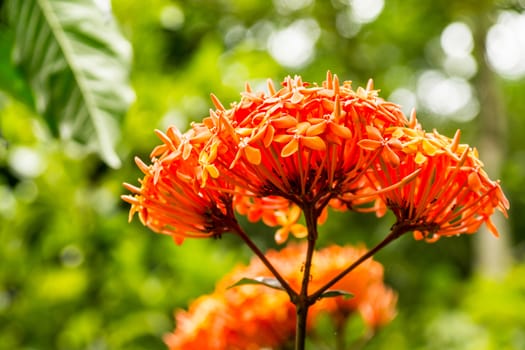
(121, 121)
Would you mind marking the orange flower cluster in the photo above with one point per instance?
(255, 316)
(451, 195)
(300, 142)
(171, 198)
(272, 155)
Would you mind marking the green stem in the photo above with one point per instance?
(303, 302)
(396, 231)
(289, 290)
(340, 334)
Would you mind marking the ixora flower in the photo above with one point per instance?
(299, 142)
(275, 155)
(171, 198)
(255, 316)
(451, 195)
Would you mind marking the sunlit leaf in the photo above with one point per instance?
(59, 284)
(266, 281)
(11, 80)
(336, 293)
(77, 64)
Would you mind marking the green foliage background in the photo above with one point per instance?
(75, 275)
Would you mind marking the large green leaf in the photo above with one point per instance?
(77, 63)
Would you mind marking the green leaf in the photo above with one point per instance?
(336, 293)
(77, 64)
(266, 281)
(11, 80)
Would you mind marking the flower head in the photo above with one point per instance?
(171, 198)
(300, 142)
(304, 147)
(451, 194)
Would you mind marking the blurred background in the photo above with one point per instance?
(75, 275)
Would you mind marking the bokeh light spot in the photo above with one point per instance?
(294, 46)
(172, 17)
(405, 98)
(71, 256)
(365, 11)
(506, 45)
(26, 162)
(448, 97)
(456, 40)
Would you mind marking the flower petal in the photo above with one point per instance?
(340, 130)
(253, 154)
(290, 148)
(284, 122)
(313, 142)
(420, 158)
(268, 137)
(370, 145)
(299, 230)
(474, 182)
(316, 129)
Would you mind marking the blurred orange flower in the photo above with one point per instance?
(255, 316)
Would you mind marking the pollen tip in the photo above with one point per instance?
(329, 81)
(131, 188)
(130, 199)
(370, 85)
(142, 166)
(413, 119)
(217, 103)
(271, 87)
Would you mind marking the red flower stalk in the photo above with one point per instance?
(171, 198)
(300, 142)
(451, 195)
(255, 316)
